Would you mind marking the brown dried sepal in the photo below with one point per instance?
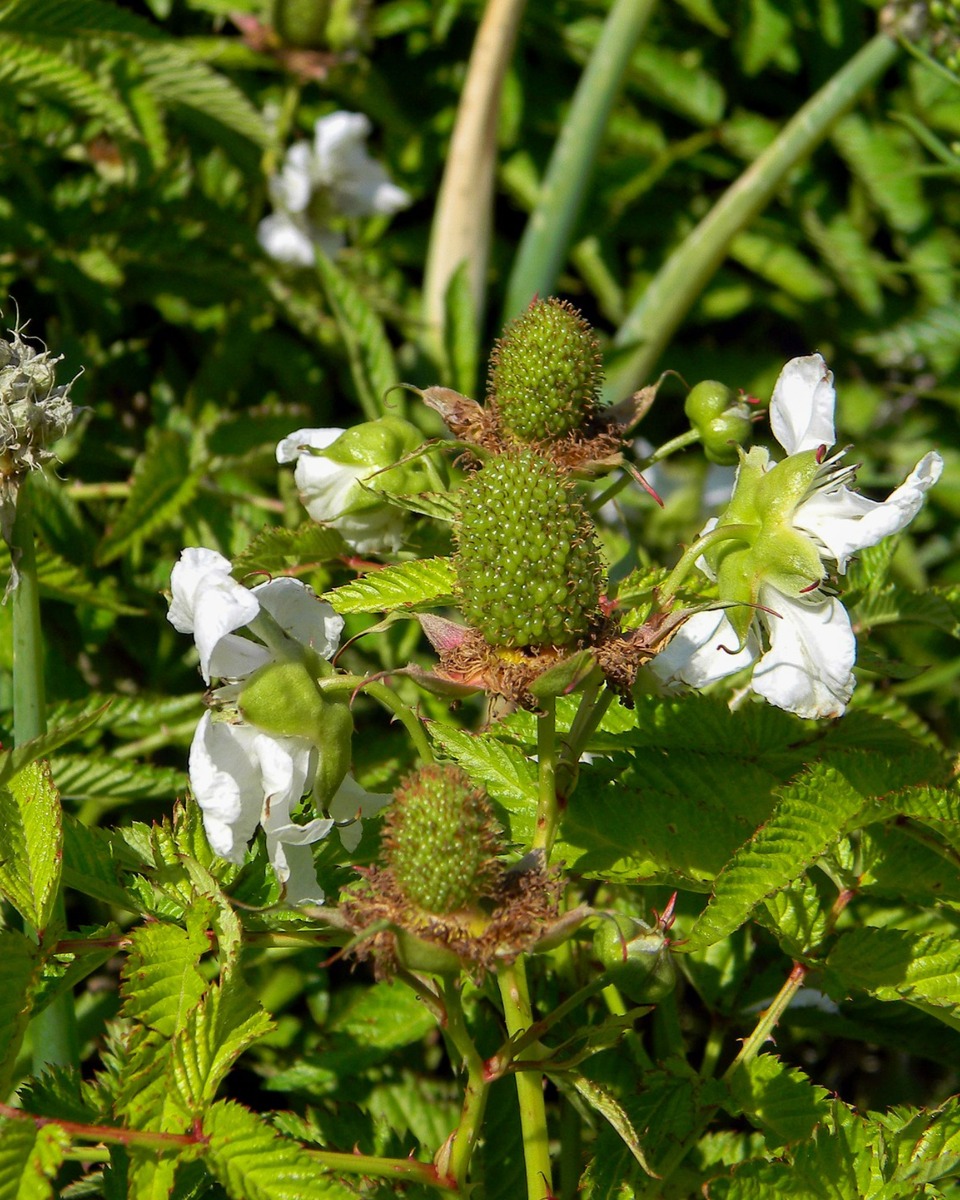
(520, 909)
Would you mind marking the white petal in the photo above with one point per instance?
(208, 602)
(337, 138)
(327, 489)
(700, 652)
(376, 531)
(292, 188)
(236, 657)
(195, 566)
(846, 522)
(294, 867)
(292, 446)
(301, 614)
(801, 409)
(226, 784)
(808, 669)
(353, 801)
(287, 240)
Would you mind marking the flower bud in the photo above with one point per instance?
(722, 421)
(282, 699)
(636, 957)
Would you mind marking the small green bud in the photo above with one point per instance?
(722, 420)
(528, 562)
(636, 957)
(545, 371)
(302, 23)
(379, 446)
(283, 700)
(440, 838)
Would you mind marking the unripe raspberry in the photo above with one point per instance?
(722, 420)
(440, 839)
(528, 566)
(545, 372)
(636, 957)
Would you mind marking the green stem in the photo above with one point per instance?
(591, 712)
(405, 715)
(720, 533)
(533, 1114)
(769, 1019)
(476, 1091)
(548, 813)
(546, 237)
(680, 442)
(682, 278)
(55, 1039)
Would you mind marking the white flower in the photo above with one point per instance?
(317, 183)
(207, 602)
(791, 524)
(242, 778)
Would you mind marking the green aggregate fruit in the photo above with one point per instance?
(528, 562)
(545, 373)
(440, 839)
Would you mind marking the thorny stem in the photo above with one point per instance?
(720, 533)
(56, 1041)
(547, 810)
(591, 712)
(515, 994)
(477, 1087)
(748, 1051)
(680, 442)
(379, 691)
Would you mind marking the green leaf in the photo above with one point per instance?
(29, 1159)
(161, 983)
(370, 355)
(460, 332)
(894, 964)
(813, 813)
(278, 551)
(31, 840)
(782, 265)
(44, 71)
(216, 1033)
(112, 781)
(19, 963)
(179, 79)
(676, 819)
(881, 157)
(505, 771)
(848, 254)
(778, 1098)
(12, 761)
(252, 1162)
(384, 1018)
(162, 484)
(601, 1101)
(425, 584)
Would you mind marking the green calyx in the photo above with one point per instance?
(528, 561)
(440, 839)
(545, 372)
(768, 549)
(282, 699)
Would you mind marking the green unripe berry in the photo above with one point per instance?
(636, 957)
(706, 400)
(722, 421)
(528, 562)
(440, 837)
(302, 23)
(545, 373)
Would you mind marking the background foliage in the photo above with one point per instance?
(135, 145)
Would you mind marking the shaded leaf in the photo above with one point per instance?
(31, 840)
